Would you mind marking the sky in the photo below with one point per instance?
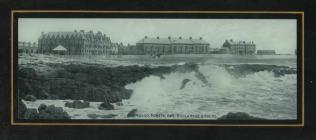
(277, 34)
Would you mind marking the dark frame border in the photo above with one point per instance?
(298, 15)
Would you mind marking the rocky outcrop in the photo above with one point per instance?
(106, 106)
(184, 82)
(52, 112)
(245, 69)
(43, 112)
(132, 113)
(77, 104)
(31, 98)
(88, 82)
(238, 116)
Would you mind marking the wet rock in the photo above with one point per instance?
(21, 109)
(238, 116)
(106, 106)
(31, 114)
(52, 112)
(132, 113)
(29, 73)
(30, 98)
(184, 82)
(119, 103)
(77, 104)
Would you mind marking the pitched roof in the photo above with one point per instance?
(60, 48)
(171, 41)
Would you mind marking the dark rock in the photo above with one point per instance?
(119, 103)
(238, 116)
(42, 107)
(77, 104)
(184, 82)
(106, 106)
(132, 113)
(29, 73)
(21, 109)
(31, 114)
(52, 112)
(30, 98)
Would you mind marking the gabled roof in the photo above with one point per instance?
(60, 48)
(171, 41)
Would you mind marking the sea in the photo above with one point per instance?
(260, 94)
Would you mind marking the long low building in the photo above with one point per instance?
(170, 45)
(75, 43)
(266, 52)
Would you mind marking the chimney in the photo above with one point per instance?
(190, 38)
(169, 37)
(146, 37)
(180, 37)
(200, 38)
(157, 37)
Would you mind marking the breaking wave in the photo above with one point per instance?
(260, 93)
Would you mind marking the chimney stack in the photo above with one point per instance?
(200, 38)
(190, 38)
(146, 37)
(180, 37)
(157, 37)
(169, 37)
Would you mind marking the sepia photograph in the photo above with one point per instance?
(156, 69)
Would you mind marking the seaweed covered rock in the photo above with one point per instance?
(77, 104)
(31, 98)
(106, 106)
(31, 114)
(238, 116)
(52, 112)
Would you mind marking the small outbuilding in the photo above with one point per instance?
(60, 50)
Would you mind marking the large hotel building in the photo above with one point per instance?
(75, 43)
(239, 47)
(170, 45)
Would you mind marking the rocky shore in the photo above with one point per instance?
(86, 81)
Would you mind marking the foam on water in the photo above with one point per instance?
(260, 94)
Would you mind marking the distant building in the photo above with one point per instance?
(76, 42)
(239, 47)
(266, 52)
(171, 46)
(27, 47)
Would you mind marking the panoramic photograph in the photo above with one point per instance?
(156, 69)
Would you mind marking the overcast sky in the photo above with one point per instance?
(278, 34)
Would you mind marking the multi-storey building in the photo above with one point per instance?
(171, 46)
(239, 47)
(27, 47)
(76, 42)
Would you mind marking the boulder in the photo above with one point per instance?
(52, 112)
(132, 113)
(31, 114)
(31, 98)
(106, 106)
(77, 104)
